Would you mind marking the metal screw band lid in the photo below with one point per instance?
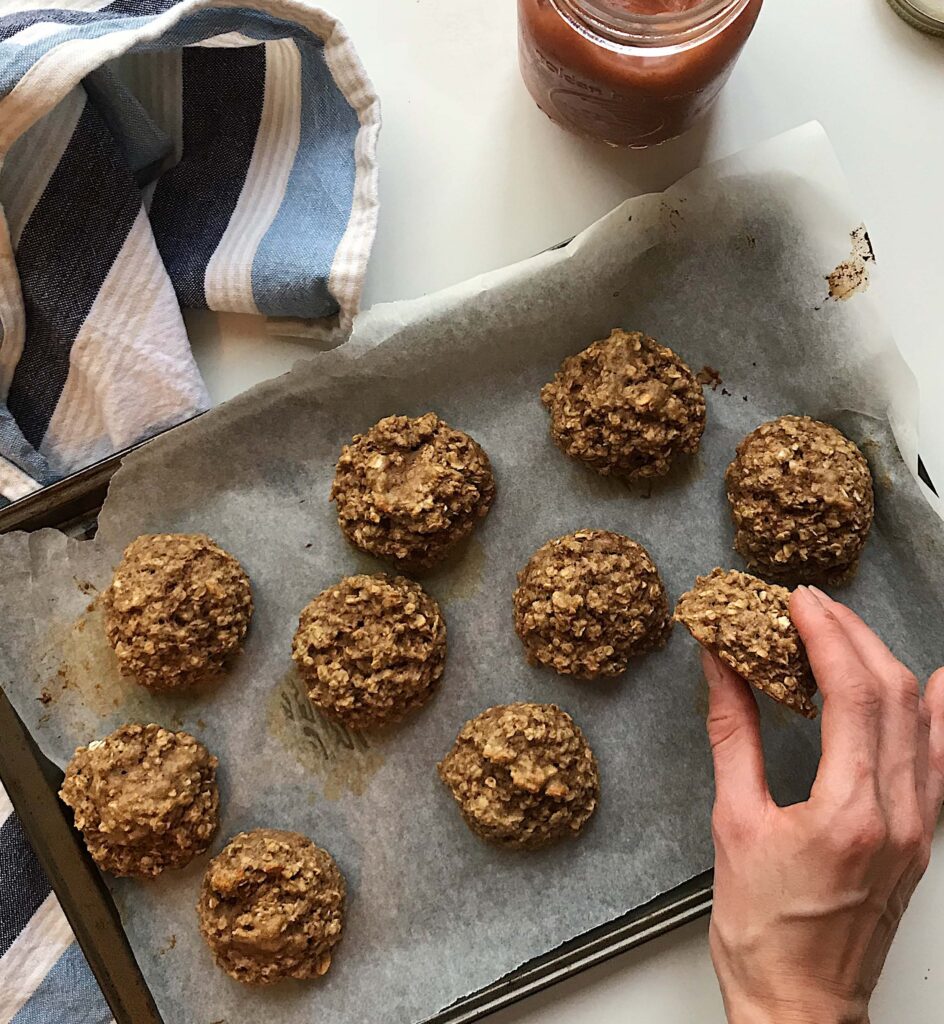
(926, 15)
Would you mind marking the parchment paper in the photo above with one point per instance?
(729, 268)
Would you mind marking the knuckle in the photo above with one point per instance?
(833, 627)
(908, 837)
(866, 836)
(729, 828)
(721, 819)
(904, 687)
(720, 942)
(829, 630)
(865, 696)
(909, 681)
(868, 839)
(723, 728)
(831, 623)
(860, 771)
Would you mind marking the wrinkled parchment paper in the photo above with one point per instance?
(729, 267)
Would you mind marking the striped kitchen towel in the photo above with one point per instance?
(155, 154)
(44, 978)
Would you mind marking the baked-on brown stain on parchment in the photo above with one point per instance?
(458, 577)
(88, 664)
(852, 275)
(708, 376)
(345, 761)
(872, 451)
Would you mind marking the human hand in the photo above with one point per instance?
(807, 898)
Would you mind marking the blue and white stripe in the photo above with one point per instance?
(159, 153)
(44, 978)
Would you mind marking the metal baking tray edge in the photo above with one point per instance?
(32, 783)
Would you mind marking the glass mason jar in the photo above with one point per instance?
(630, 72)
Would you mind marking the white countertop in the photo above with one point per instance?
(473, 177)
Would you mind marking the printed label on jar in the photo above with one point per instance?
(588, 107)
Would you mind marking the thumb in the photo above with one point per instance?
(734, 734)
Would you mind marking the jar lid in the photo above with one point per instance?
(927, 15)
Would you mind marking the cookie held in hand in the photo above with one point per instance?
(746, 623)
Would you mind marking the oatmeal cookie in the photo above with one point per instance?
(586, 603)
(410, 489)
(802, 502)
(177, 609)
(371, 649)
(523, 775)
(626, 406)
(746, 623)
(145, 799)
(271, 907)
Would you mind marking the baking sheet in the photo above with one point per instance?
(730, 268)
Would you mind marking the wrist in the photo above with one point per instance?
(800, 1010)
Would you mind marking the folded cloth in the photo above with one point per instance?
(154, 154)
(44, 978)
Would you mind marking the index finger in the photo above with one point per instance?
(903, 734)
(851, 701)
(873, 649)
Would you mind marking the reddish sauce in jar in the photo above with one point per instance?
(630, 72)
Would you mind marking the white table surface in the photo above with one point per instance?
(473, 177)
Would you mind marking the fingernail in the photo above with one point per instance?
(810, 592)
(819, 595)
